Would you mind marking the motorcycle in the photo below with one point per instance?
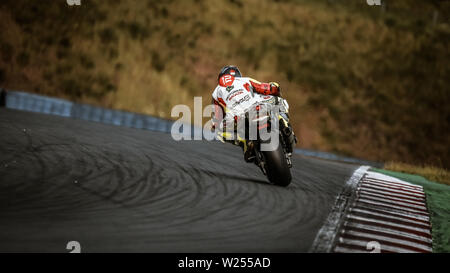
(266, 131)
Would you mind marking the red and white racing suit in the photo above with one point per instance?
(235, 95)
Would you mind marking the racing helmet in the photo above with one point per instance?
(229, 70)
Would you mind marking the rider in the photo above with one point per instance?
(231, 94)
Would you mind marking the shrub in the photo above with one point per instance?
(23, 59)
(2, 75)
(86, 62)
(7, 51)
(107, 36)
(157, 62)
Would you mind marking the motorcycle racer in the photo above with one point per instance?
(235, 95)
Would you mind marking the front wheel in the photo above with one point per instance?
(277, 169)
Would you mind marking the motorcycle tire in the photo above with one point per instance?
(276, 166)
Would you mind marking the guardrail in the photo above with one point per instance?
(43, 104)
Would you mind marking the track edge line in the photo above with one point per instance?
(326, 236)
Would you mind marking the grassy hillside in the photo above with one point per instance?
(366, 81)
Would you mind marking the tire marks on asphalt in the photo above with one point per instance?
(116, 189)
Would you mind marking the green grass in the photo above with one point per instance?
(438, 197)
(432, 173)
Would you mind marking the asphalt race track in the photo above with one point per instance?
(115, 189)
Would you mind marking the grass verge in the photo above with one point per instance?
(430, 172)
(438, 196)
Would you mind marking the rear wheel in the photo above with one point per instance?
(277, 169)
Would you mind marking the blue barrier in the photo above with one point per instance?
(35, 103)
(42, 104)
(335, 157)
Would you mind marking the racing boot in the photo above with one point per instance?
(247, 148)
(290, 137)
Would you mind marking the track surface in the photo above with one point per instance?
(115, 189)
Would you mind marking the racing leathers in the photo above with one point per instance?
(234, 96)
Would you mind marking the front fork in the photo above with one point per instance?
(287, 137)
(259, 158)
